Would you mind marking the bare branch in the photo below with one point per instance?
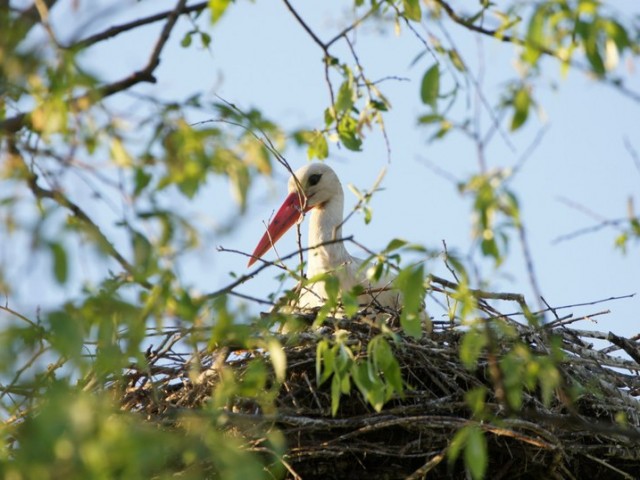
(265, 264)
(125, 27)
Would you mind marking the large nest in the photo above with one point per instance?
(588, 428)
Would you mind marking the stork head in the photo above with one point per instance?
(310, 187)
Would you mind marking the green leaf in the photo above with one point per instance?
(475, 398)
(621, 242)
(395, 244)
(278, 359)
(412, 10)
(594, 56)
(521, 104)
(141, 180)
(218, 7)
(142, 252)
(430, 88)
(383, 359)
(445, 127)
(318, 147)
(410, 282)
(476, 456)
(336, 391)
(535, 39)
(186, 40)
(60, 262)
(346, 97)
(329, 117)
(457, 61)
(119, 154)
(430, 118)
(457, 444)
(473, 342)
(350, 303)
(348, 135)
(205, 38)
(325, 357)
(514, 378)
(489, 248)
(67, 335)
(378, 105)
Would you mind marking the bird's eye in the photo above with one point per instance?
(314, 179)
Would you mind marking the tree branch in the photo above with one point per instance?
(496, 34)
(125, 27)
(62, 200)
(264, 265)
(15, 123)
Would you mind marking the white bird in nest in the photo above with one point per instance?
(316, 188)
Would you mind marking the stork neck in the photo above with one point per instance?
(325, 226)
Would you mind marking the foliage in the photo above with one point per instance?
(99, 191)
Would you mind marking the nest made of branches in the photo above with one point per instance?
(587, 432)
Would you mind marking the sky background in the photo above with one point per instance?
(260, 57)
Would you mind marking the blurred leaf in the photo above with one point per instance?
(378, 105)
(521, 104)
(186, 40)
(535, 39)
(323, 358)
(430, 118)
(278, 359)
(218, 7)
(318, 148)
(476, 456)
(473, 342)
(395, 244)
(412, 10)
(455, 58)
(430, 87)
(141, 181)
(350, 303)
(120, 155)
(457, 444)
(67, 333)
(205, 38)
(336, 391)
(475, 398)
(60, 262)
(142, 253)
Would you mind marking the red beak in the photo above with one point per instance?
(290, 212)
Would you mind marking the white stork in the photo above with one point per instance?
(316, 188)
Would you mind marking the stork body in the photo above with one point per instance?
(316, 188)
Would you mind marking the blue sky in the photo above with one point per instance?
(261, 58)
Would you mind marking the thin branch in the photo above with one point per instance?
(361, 201)
(528, 260)
(632, 151)
(17, 314)
(610, 467)
(306, 27)
(500, 36)
(265, 264)
(344, 32)
(15, 123)
(125, 27)
(587, 230)
(58, 197)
